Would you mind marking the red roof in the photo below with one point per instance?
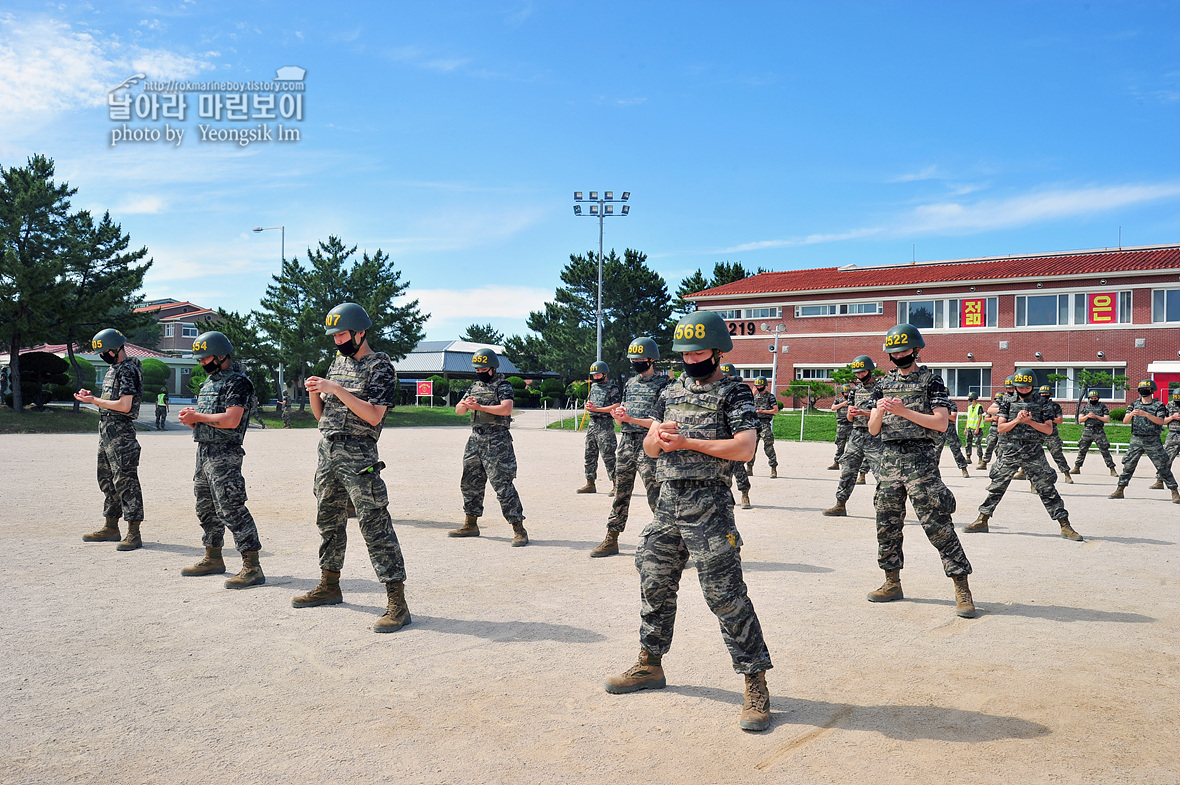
(159, 306)
(60, 350)
(1159, 258)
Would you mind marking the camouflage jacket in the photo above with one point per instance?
(921, 390)
(373, 380)
(640, 395)
(862, 398)
(1036, 408)
(1141, 426)
(602, 396)
(125, 378)
(219, 392)
(1174, 425)
(765, 400)
(713, 410)
(1099, 409)
(491, 393)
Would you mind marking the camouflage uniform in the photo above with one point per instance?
(489, 456)
(1053, 440)
(909, 467)
(974, 435)
(843, 427)
(348, 469)
(862, 446)
(765, 400)
(1025, 450)
(161, 411)
(600, 436)
(118, 448)
(995, 439)
(950, 438)
(256, 412)
(1145, 440)
(217, 482)
(1094, 432)
(1172, 445)
(286, 413)
(694, 519)
(639, 396)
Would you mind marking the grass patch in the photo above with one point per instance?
(52, 420)
(397, 417)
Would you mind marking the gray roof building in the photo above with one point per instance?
(448, 359)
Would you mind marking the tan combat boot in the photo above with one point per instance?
(890, 590)
(756, 710)
(1068, 532)
(837, 511)
(520, 537)
(1019, 475)
(132, 540)
(326, 592)
(587, 488)
(612, 488)
(964, 605)
(1157, 485)
(108, 533)
(835, 466)
(1118, 493)
(1076, 469)
(746, 500)
(1113, 472)
(1175, 496)
(210, 565)
(397, 615)
(609, 546)
(980, 524)
(774, 472)
(964, 470)
(249, 575)
(860, 479)
(981, 465)
(1068, 480)
(470, 528)
(645, 674)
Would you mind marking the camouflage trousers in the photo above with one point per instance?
(993, 441)
(1029, 456)
(741, 476)
(629, 460)
(766, 436)
(286, 416)
(950, 438)
(118, 470)
(695, 520)
(862, 448)
(340, 476)
(974, 439)
(843, 431)
(1057, 449)
(1154, 450)
(489, 457)
(1094, 436)
(221, 497)
(161, 417)
(910, 469)
(1171, 448)
(600, 440)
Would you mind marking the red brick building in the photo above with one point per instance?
(1116, 311)
(180, 323)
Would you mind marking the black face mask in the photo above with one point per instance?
(213, 366)
(485, 374)
(1025, 396)
(641, 366)
(1146, 393)
(599, 380)
(902, 362)
(110, 358)
(702, 370)
(760, 387)
(349, 347)
(1093, 401)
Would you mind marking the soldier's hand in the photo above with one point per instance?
(619, 412)
(84, 396)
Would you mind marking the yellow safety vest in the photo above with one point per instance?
(975, 415)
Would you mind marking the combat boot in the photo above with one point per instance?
(964, 470)
(609, 546)
(520, 537)
(132, 541)
(645, 674)
(326, 592)
(1175, 496)
(964, 605)
(612, 488)
(587, 488)
(981, 465)
(250, 574)
(1068, 480)
(835, 466)
(1068, 532)
(397, 615)
(108, 533)
(1118, 493)
(470, 528)
(1113, 472)
(746, 500)
(212, 564)
(1019, 474)
(837, 511)
(756, 711)
(860, 479)
(1077, 469)
(980, 524)
(890, 590)
(1158, 485)
(774, 472)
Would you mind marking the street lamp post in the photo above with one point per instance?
(601, 208)
(779, 329)
(283, 256)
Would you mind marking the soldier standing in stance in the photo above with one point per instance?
(741, 477)
(863, 447)
(1025, 421)
(843, 426)
(350, 404)
(286, 405)
(161, 410)
(1053, 440)
(950, 438)
(1146, 417)
(704, 422)
(600, 436)
(634, 417)
(993, 435)
(1094, 416)
(974, 428)
(908, 418)
(489, 456)
(219, 427)
(1172, 444)
(766, 407)
(118, 448)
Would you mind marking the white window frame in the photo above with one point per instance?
(812, 369)
(839, 309)
(985, 371)
(1076, 305)
(948, 309)
(1160, 316)
(1072, 389)
(185, 328)
(169, 330)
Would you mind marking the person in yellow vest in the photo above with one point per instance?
(974, 428)
(161, 410)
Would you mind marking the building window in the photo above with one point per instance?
(1165, 305)
(839, 309)
(1078, 308)
(961, 382)
(762, 313)
(188, 331)
(813, 374)
(753, 373)
(733, 313)
(942, 314)
(1069, 388)
(169, 330)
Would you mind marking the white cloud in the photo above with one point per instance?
(811, 239)
(929, 173)
(485, 302)
(141, 205)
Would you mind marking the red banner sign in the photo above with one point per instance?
(972, 314)
(425, 389)
(1101, 308)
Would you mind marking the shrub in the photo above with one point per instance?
(579, 390)
(155, 377)
(1117, 415)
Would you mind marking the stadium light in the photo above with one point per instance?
(600, 210)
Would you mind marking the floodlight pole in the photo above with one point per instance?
(600, 208)
(283, 257)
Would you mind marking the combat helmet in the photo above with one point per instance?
(972, 396)
(1008, 383)
(1176, 394)
(760, 381)
(108, 340)
(727, 369)
(862, 363)
(1148, 384)
(1045, 390)
(901, 337)
(485, 358)
(997, 396)
(1024, 377)
(600, 367)
(643, 349)
(346, 316)
(701, 330)
(212, 344)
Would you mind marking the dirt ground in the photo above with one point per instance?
(118, 670)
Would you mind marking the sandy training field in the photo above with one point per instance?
(118, 670)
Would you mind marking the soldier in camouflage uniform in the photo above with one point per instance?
(1026, 421)
(766, 407)
(741, 477)
(634, 418)
(974, 427)
(1053, 440)
(256, 411)
(1146, 417)
(604, 395)
(843, 426)
(118, 448)
(704, 422)
(950, 438)
(1172, 444)
(489, 456)
(1093, 415)
(350, 404)
(863, 447)
(286, 405)
(993, 434)
(907, 416)
(219, 428)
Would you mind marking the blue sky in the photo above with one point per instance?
(452, 135)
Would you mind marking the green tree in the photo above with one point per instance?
(690, 285)
(483, 333)
(525, 353)
(256, 355)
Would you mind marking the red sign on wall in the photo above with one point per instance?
(971, 313)
(1100, 308)
(425, 389)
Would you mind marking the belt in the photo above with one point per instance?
(344, 437)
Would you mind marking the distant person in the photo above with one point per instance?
(285, 405)
(1146, 417)
(600, 435)
(1093, 416)
(161, 410)
(766, 407)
